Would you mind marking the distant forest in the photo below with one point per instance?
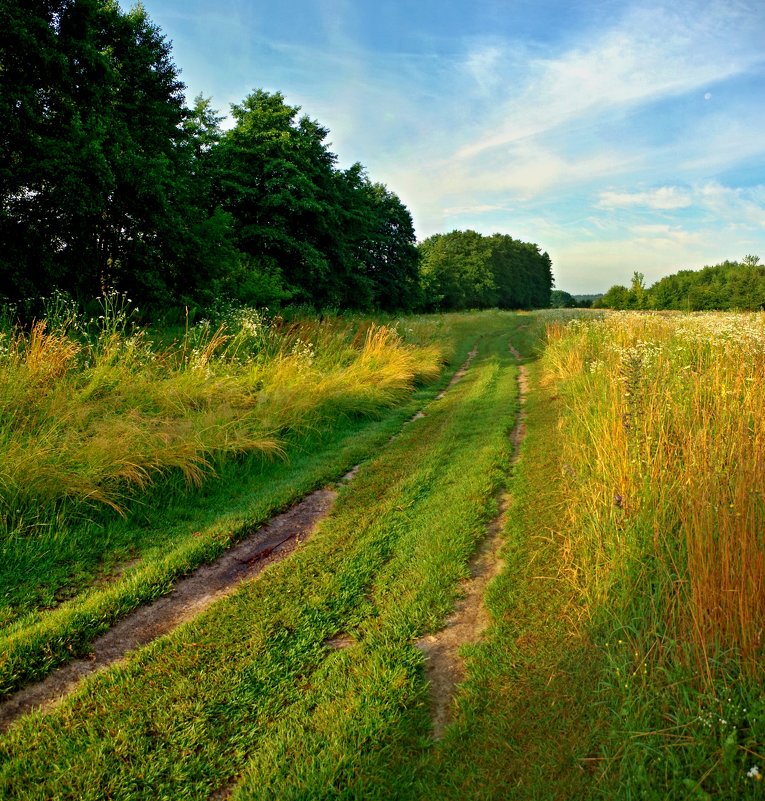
(728, 286)
(109, 182)
(466, 270)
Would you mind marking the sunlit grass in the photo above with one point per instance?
(89, 421)
(662, 441)
(665, 437)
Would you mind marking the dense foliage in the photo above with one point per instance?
(464, 270)
(108, 181)
(305, 229)
(565, 300)
(95, 182)
(727, 286)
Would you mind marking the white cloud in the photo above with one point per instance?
(738, 207)
(484, 66)
(665, 197)
(479, 208)
(581, 267)
(731, 205)
(664, 237)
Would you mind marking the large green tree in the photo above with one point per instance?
(96, 185)
(522, 274)
(331, 237)
(275, 177)
(32, 70)
(456, 271)
(384, 249)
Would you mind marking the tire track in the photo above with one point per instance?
(444, 666)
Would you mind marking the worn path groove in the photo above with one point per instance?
(444, 667)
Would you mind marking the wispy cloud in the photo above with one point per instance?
(578, 126)
(665, 197)
(659, 236)
(651, 54)
(738, 207)
(732, 205)
(484, 65)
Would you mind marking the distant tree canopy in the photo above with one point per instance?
(464, 269)
(726, 286)
(108, 181)
(565, 300)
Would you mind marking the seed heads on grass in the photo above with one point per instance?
(92, 421)
(665, 421)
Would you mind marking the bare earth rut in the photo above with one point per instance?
(444, 667)
(191, 596)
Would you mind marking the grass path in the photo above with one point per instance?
(529, 720)
(308, 683)
(222, 695)
(192, 594)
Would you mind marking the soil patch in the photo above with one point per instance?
(444, 667)
(191, 596)
(339, 642)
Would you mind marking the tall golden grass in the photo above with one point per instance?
(92, 420)
(664, 446)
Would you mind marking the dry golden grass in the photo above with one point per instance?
(664, 442)
(93, 421)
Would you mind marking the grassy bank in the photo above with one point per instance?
(91, 419)
(253, 688)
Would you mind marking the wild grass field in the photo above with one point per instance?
(623, 659)
(124, 463)
(661, 444)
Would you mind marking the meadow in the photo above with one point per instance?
(662, 479)
(625, 622)
(112, 441)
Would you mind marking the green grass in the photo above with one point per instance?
(250, 687)
(559, 700)
(167, 541)
(92, 420)
(60, 583)
(528, 726)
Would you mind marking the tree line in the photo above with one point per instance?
(559, 299)
(108, 181)
(728, 286)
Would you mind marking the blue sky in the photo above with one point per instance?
(617, 135)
